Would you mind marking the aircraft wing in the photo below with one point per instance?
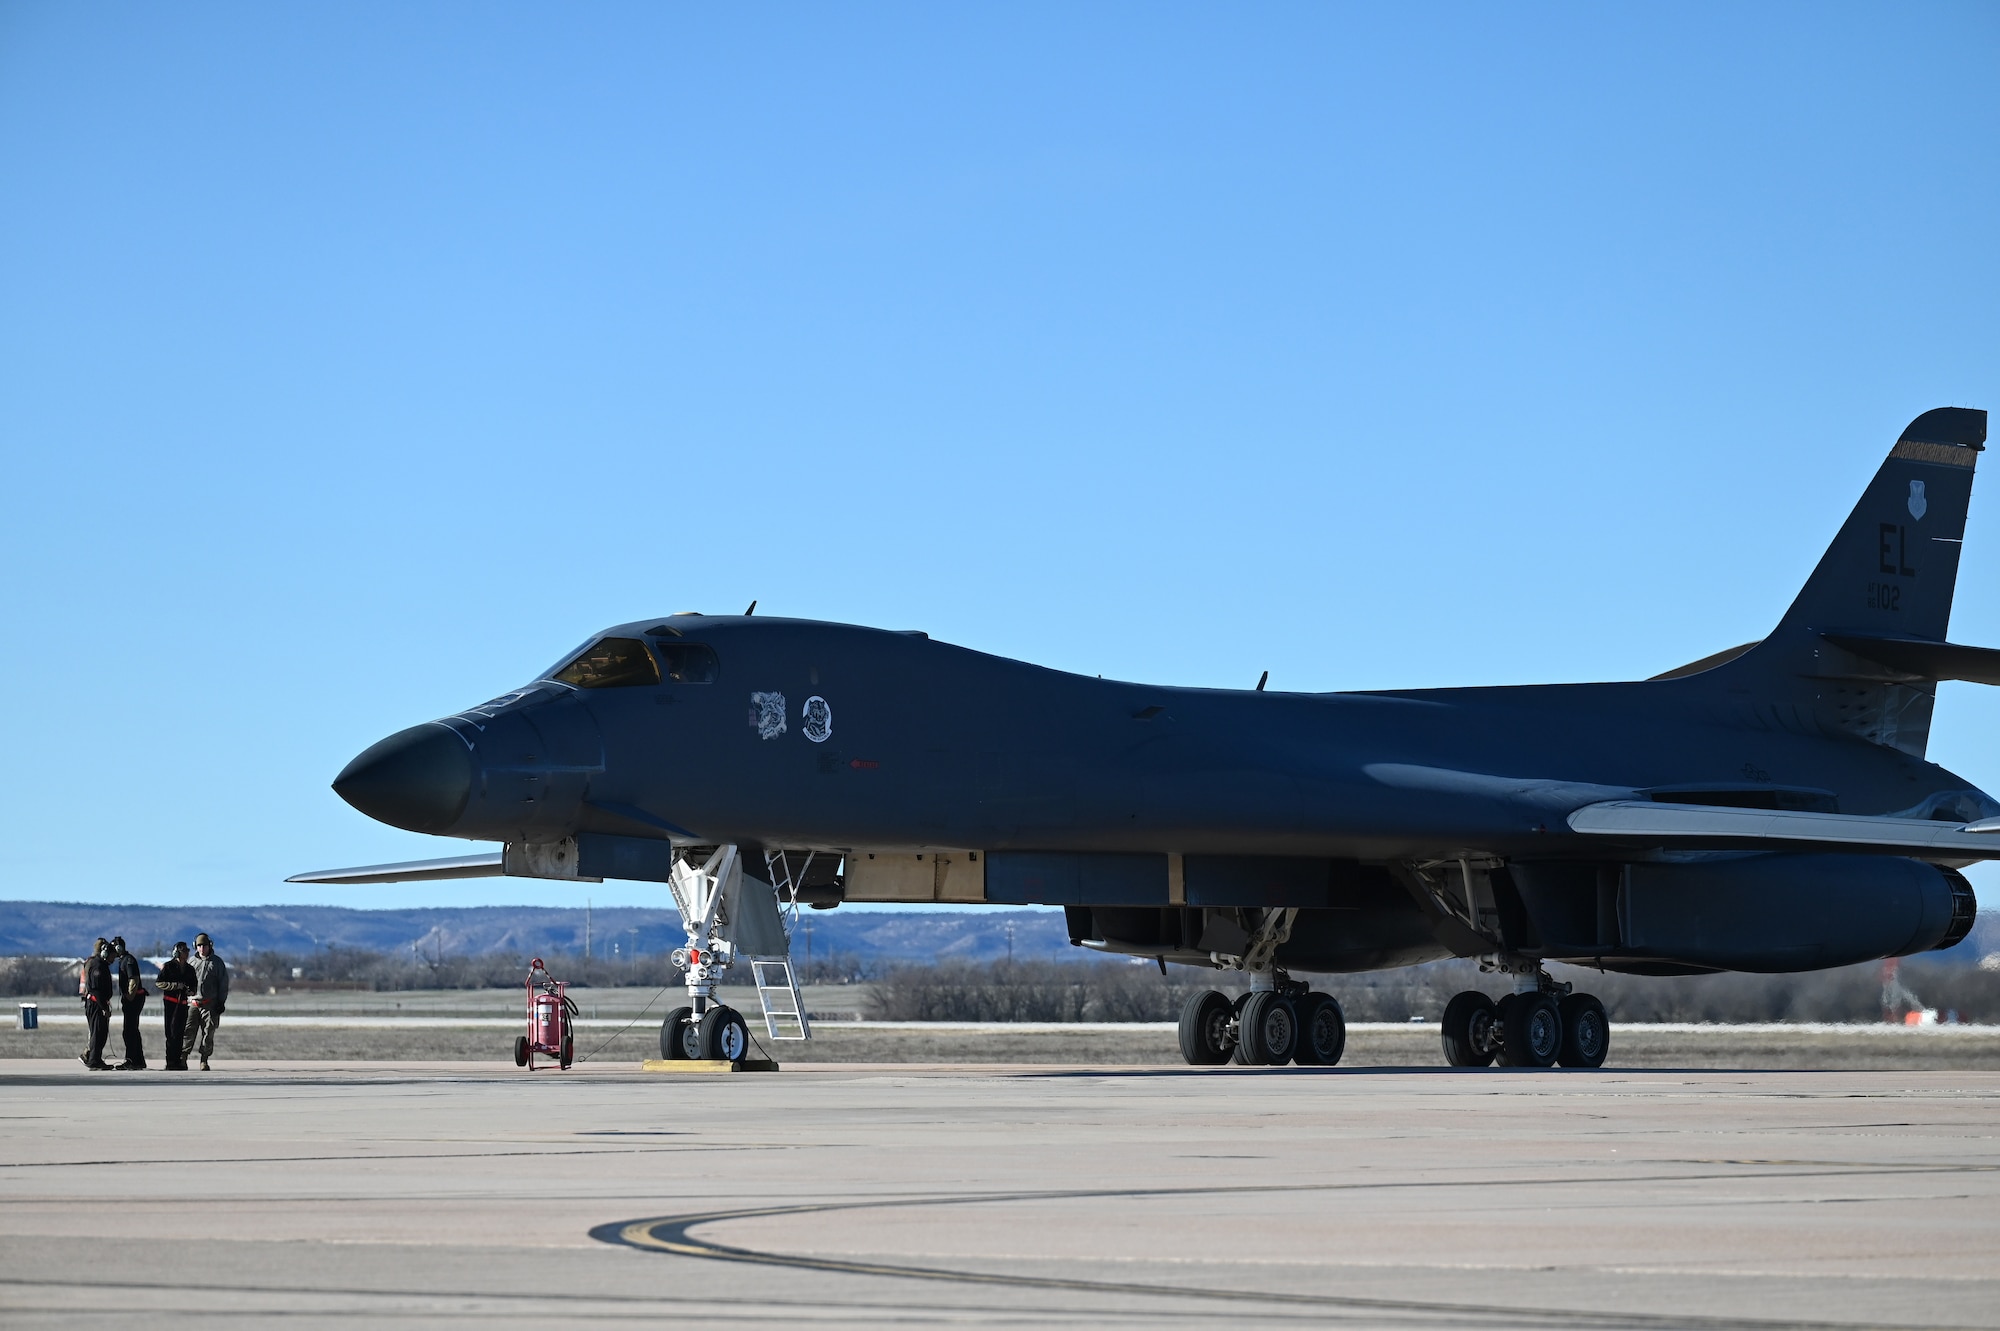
(488, 865)
(1695, 827)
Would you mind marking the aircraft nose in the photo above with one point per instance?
(417, 779)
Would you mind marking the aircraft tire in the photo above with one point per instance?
(723, 1034)
(1586, 1032)
(1268, 1029)
(1204, 1032)
(1322, 1032)
(1531, 1031)
(520, 1051)
(1468, 1024)
(672, 1042)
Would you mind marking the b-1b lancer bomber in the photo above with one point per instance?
(1766, 809)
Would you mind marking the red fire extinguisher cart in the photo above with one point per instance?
(549, 1015)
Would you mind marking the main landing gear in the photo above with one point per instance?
(1287, 1023)
(1538, 1026)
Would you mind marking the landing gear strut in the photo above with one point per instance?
(1540, 1024)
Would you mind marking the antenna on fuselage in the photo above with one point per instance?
(1262, 680)
(751, 611)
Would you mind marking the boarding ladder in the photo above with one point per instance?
(777, 987)
(778, 993)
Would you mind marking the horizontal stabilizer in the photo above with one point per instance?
(1921, 658)
(1698, 827)
(414, 871)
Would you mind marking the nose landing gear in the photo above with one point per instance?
(704, 1029)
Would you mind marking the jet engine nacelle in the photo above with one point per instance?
(1766, 913)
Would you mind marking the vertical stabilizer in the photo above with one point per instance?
(1889, 574)
(1892, 569)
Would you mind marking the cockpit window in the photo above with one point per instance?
(611, 663)
(688, 662)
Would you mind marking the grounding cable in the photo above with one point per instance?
(626, 1027)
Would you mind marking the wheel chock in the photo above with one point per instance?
(695, 1065)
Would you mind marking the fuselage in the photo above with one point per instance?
(800, 733)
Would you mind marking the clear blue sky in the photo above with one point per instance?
(357, 361)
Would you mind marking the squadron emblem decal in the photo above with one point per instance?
(767, 714)
(817, 720)
(1918, 504)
